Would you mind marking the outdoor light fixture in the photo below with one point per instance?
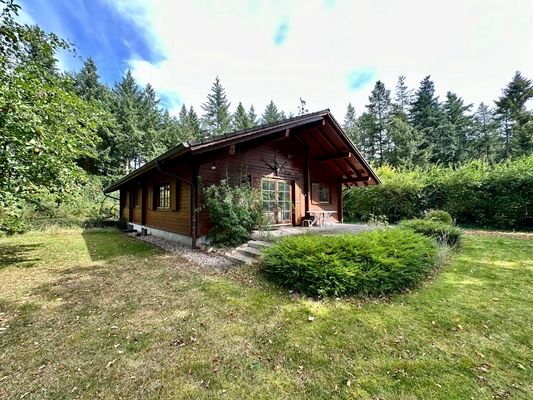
(214, 166)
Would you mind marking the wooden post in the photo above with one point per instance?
(194, 205)
(340, 215)
(307, 180)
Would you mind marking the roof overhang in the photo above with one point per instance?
(322, 121)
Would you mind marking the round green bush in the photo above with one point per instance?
(439, 215)
(373, 263)
(444, 233)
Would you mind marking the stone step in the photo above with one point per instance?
(259, 244)
(238, 258)
(249, 251)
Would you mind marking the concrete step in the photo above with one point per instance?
(259, 244)
(238, 258)
(249, 251)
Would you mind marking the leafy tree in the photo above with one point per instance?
(45, 126)
(271, 114)
(406, 150)
(241, 119)
(216, 118)
(516, 122)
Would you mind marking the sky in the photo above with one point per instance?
(327, 52)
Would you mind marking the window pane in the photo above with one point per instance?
(323, 196)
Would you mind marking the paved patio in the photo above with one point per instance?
(299, 230)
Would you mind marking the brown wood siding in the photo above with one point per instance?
(177, 218)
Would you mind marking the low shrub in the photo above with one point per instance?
(373, 263)
(439, 215)
(234, 212)
(444, 233)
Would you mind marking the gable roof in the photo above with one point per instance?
(211, 143)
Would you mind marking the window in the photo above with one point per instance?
(320, 193)
(163, 198)
(323, 193)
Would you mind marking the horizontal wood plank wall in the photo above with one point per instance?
(252, 161)
(178, 217)
(319, 174)
(124, 204)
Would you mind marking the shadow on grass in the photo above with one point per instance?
(107, 244)
(21, 254)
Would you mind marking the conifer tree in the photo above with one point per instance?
(350, 125)
(516, 122)
(484, 142)
(425, 113)
(271, 114)
(379, 110)
(128, 133)
(216, 119)
(252, 116)
(402, 97)
(450, 140)
(240, 118)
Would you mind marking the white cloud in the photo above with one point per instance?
(470, 47)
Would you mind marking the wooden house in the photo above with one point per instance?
(300, 165)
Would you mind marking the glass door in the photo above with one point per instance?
(277, 200)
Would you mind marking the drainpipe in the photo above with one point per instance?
(192, 185)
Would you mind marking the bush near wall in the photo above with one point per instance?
(373, 263)
(498, 196)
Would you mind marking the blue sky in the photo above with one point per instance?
(327, 52)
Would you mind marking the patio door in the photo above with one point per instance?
(276, 195)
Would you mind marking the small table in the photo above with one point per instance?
(322, 218)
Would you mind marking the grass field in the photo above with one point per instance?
(102, 315)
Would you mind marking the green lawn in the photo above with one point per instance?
(101, 315)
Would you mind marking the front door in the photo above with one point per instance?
(277, 200)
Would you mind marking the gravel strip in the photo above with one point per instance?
(199, 257)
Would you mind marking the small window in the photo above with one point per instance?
(163, 198)
(323, 193)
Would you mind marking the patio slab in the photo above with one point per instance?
(280, 231)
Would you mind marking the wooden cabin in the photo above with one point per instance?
(300, 165)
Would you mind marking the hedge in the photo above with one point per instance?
(373, 263)
(497, 196)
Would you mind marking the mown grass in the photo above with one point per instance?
(101, 315)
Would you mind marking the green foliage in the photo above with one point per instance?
(497, 196)
(272, 114)
(439, 215)
(373, 263)
(217, 118)
(234, 212)
(445, 234)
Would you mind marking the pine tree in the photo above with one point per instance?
(189, 123)
(87, 82)
(150, 123)
(216, 119)
(425, 113)
(450, 142)
(402, 97)
(252, 116)
(379, 108)
(241, 119)
(350, 125)
(483, 142)
(366, 127)
(129, 135)
(271, 114)
(516, 122)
